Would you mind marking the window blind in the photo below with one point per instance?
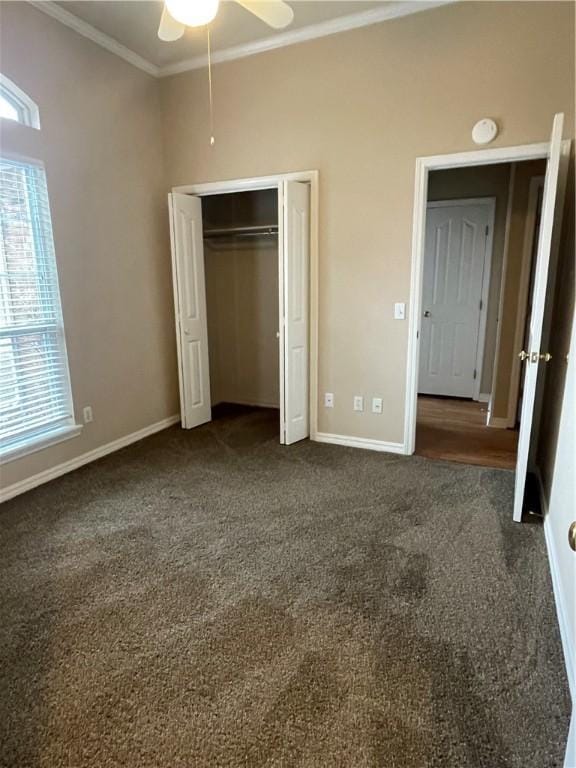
(35, 393)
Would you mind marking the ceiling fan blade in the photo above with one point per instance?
(169, 29)
(275, 13)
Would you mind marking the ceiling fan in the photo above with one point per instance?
(179, 14)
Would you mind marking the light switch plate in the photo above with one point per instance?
(399, 310)
(328, 400)
(376, 405)
(358, 403)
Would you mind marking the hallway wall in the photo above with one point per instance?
(507, 366)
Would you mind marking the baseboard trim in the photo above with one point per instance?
(484, 397)
(251, 403)
(497, 422)
(568, 643)
(86, 458)
(570, 757)
(359, 442)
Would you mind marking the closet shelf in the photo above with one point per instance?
(257, 231)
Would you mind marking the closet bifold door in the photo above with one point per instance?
(190, 307)
(296, 311)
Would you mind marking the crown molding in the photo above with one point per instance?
(98, 37)
(393, 10)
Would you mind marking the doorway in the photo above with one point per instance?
(477, 254)
(242, 297)
(555, 156)
(244, 256)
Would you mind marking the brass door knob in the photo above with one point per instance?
(572, 536)
(546, 357)
(523, 355)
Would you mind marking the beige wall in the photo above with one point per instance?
(242, 301)
(482, 181)
(101, 143)
(507, 353)
(360, 107)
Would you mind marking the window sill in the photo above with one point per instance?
(46, 440)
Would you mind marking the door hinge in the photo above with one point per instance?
(474, 373)
(481, 304)
(487, 230)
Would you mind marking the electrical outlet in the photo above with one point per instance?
(358, 403)
(88, 416)
(328, 400)
(376, 405)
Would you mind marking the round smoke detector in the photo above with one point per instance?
(484, 131)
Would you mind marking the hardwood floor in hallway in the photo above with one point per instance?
(455, 430)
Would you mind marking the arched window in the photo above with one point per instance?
(17, 105)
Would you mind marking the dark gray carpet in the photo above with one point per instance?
(212, 598)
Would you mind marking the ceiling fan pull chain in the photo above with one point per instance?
(212, 140)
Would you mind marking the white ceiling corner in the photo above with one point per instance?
(89, 31)
(128, 29)
(392, 10)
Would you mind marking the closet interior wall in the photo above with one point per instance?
(242, 298)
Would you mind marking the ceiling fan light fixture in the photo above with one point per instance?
(193, 13)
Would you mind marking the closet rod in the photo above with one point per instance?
(242, 231)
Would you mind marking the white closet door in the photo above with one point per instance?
(296, 311)
(190, 304)
(551, 213)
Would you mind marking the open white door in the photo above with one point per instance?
(551, 218)
(295, 310)
(190, 305)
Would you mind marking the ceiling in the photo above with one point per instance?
(134, 24)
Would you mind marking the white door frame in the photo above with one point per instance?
(490, 203)
(423, 167)
(275, 182)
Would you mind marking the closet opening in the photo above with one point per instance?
(241, 258)
(242, 301)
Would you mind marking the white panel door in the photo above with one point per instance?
(190, 304)
(550, 221)
(454, 258)
(296, 311)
